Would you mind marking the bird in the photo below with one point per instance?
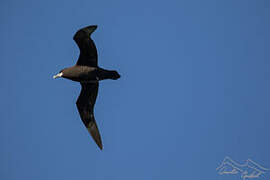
(88, 73)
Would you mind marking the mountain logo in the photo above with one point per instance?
(249, 169)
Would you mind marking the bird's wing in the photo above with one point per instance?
(88, 50)
(85, 105)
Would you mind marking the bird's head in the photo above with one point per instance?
(60, 74)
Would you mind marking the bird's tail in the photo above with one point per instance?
(93, 130)
(114, 75)
(106, 74)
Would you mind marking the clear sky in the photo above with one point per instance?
(194, 89)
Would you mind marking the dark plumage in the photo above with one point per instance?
(87, 72)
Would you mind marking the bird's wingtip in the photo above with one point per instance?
(91, 28)
(85, 32)
(101, 147)
(93, 130)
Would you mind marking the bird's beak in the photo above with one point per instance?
(58, 75)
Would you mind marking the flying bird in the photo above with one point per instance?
(88, 73)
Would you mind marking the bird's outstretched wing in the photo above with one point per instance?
(85, 105)
(88, 50)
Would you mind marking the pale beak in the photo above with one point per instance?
(58, 75)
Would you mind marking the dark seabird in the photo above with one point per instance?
(87, 72)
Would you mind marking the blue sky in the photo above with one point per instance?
(194, 89)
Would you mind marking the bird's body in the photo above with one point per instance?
(87, 72)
